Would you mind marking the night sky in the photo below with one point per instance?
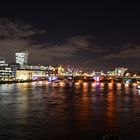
(89, 35)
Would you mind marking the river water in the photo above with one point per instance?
(69, 111)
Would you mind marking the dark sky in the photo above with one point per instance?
(90, 35)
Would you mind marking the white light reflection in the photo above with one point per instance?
(48, 82)
(93, 85)
(77, 83)
(110, 85)
(102, 85)
(139, 91)
(119, 85)
(85, 84)
(33, 83)
(40, 82)
(5, 89)
(126, 85)
(70, 84)
(62, 84)
(85, 87)
(134, 84)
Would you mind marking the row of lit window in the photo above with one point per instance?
(6, 73)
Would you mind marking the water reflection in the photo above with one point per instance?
(37, 110)
(85, 87)
(119, 85)
(110, 110)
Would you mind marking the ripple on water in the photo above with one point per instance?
(42, 110)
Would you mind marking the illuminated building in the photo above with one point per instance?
(21, 57)
(38, 74)
(111, 73)
(51, 71)
(120, 71)
(60, 71)
(6, 73)
(27, 74)
(68, 72)
(23, 75)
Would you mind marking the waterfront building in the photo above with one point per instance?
(6, 73)
(28, 74)
(23, 75)
(111, 73)
(120, 71)
(61, 71)
(38, 74)
(52, 71)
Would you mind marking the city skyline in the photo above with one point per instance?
(86, 35)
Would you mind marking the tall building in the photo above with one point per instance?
(21, 57)
(2, 61)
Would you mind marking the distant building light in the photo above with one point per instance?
(21, 57)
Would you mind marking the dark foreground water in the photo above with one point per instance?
(40, 110)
